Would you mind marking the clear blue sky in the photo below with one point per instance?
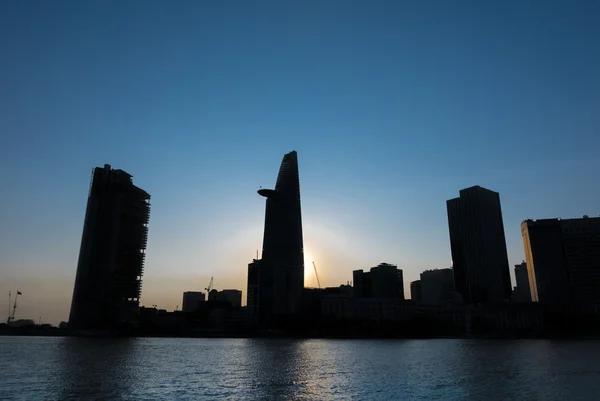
(393, 107)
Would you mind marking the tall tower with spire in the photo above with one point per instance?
(281, 278)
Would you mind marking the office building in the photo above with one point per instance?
(522, 292)
(191, 300)
(382, 281)
(582, 251)
(281, 278)
(478, 246)
(563, 260)
(548, 273)
(112, 254)
(437, 286)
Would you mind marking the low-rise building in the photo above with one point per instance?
(191, 300)
(437, 286)
(522, 292)
(383, 280)
(415, 290)
(234, 297)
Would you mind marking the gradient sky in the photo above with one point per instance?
(393, 107)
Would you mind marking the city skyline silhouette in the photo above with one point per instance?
(392, 107)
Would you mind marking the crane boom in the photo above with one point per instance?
(210, 286)
(316, 274)
(11, 314)
(9, 299)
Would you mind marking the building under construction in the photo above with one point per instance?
(111, 259)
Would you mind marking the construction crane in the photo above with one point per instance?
(316, 274)
(210, 286)
(11, 314)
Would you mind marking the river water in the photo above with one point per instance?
(55, 368)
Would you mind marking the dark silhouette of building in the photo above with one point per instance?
(233, 297)
(563, 260)
(415, 290)
(437, 286)
(478, 246)
(363, 287)
(337, 301)
(548, 275)
(111, 259)
(191, 300)
(253, 288)
(382, 281)
(522, 291)
(281, 277)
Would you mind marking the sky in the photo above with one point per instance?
(392, 106)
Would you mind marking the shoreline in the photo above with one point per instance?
(225, 335)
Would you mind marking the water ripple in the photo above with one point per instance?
(245, 369)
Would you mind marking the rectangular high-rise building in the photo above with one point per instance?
(478, 246)
(563, 260)
(281, 279)
(547, 274)
(111, 259)
(522, 290)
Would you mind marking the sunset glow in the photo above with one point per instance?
(309, 274)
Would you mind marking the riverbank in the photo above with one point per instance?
(56, 332)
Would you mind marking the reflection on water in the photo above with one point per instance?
(90, 367)
(244, 369)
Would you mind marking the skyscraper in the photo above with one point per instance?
(563, 260)
(548, 275)
(478, 246)
(281, 271)
(111, 258)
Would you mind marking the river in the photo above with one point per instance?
(56, 368)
